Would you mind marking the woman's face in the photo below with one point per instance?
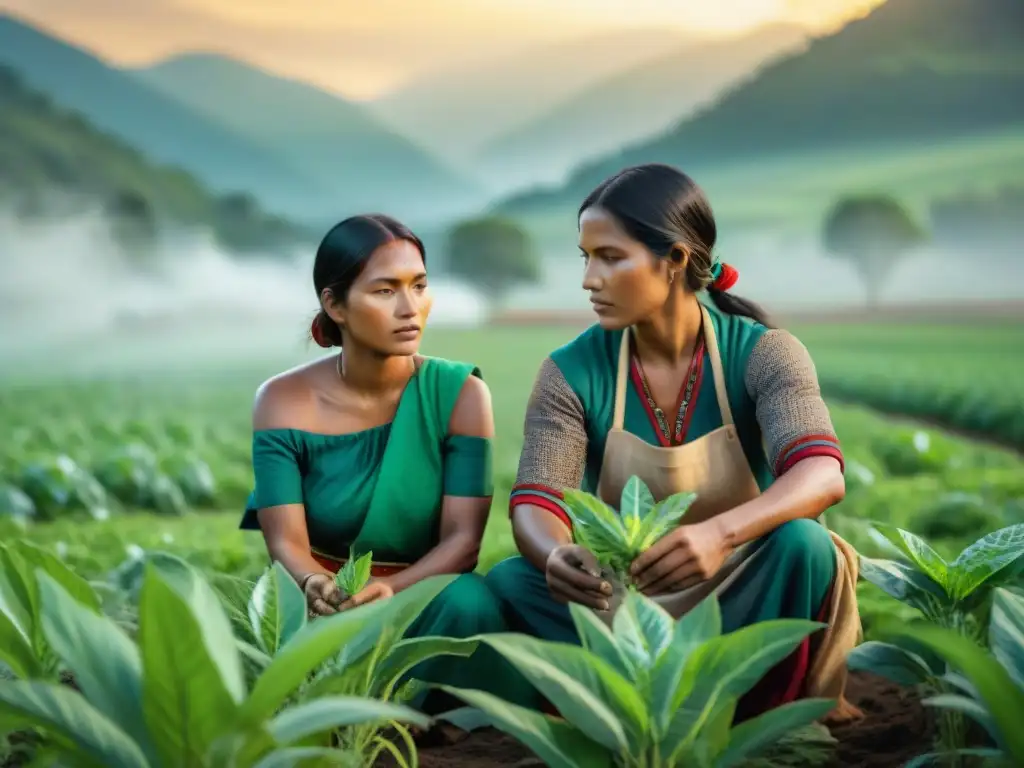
(627, 283)
(388, 304)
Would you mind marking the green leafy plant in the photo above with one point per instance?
(989, 688)
(24, 647)
(178, 695)
(650, 691)
(355, 573)
(952, 595)
(617, 538)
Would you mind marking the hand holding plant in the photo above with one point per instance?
(574, 576)
(322, 595)
(377, 589)
(682, 558)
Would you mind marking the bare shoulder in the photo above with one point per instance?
(473, 413)
(288, 400)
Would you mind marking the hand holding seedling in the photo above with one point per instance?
(322, 595)
(375, 590)
(682, 558)
(574, 576)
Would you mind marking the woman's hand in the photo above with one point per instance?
(322, 595)
(574, 576)
(377, 589)
(687, 556)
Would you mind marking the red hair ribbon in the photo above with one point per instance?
(317, 332)
(726, 278)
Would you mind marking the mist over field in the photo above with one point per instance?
(69, 300)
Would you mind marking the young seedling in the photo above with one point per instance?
(355, 574)
(616, 539)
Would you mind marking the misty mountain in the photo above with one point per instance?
(638, 103)
(154, 124)
(337, 143)
(911, 72)
(457, 111)
(53, 162)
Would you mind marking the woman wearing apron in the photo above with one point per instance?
(690, 395)
(379, 449)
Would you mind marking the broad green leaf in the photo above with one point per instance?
(636, 502)
(589, 513)
(399, 613)
(355, 574)
(697, 626)
(405, 655)
(77, 587)
(891, 662)
(203, 604)
(185, 701)
(330, 712)
(66, 716)
(598, 639)
(291, 757)
(655, 624)
(970, 707)
(905, 584)
(666, 515)
(317, 642)
(15, 650)
(277, 609)
(919, 552)
(104, 661)
(752, 736)
(585, 690)
(19, 596)
(1006, 632)
(630, 638)
(997, 692)
(558, 744)
(728, 666)
(985, 559)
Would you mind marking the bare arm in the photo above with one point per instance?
(280, 403)
(801, 442)
(463, 518)
(553, 458)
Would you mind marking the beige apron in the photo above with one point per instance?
(716, 469)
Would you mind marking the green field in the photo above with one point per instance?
(126, 432)
(793, 193)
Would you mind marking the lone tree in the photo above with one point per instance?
(873, 232)
(492, 253)
(133, 223)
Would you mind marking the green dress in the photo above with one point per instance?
(381, 490)
(780, 417)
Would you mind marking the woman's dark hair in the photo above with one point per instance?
(342, 256)
(660, 206)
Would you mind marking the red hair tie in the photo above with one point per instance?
(317, 332)
(726, 278)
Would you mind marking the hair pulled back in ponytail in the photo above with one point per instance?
(341, 258)
(661, 207)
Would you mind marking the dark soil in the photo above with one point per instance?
(895, 729)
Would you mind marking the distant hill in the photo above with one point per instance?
(457, 111)
(638, 103)
(911, 72)
(53, 161)
(338, 144)
(156, 125)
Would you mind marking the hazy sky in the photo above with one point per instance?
(363, 47)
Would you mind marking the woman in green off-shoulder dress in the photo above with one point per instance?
(378, 449)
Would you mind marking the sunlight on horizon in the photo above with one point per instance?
(364, 50)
